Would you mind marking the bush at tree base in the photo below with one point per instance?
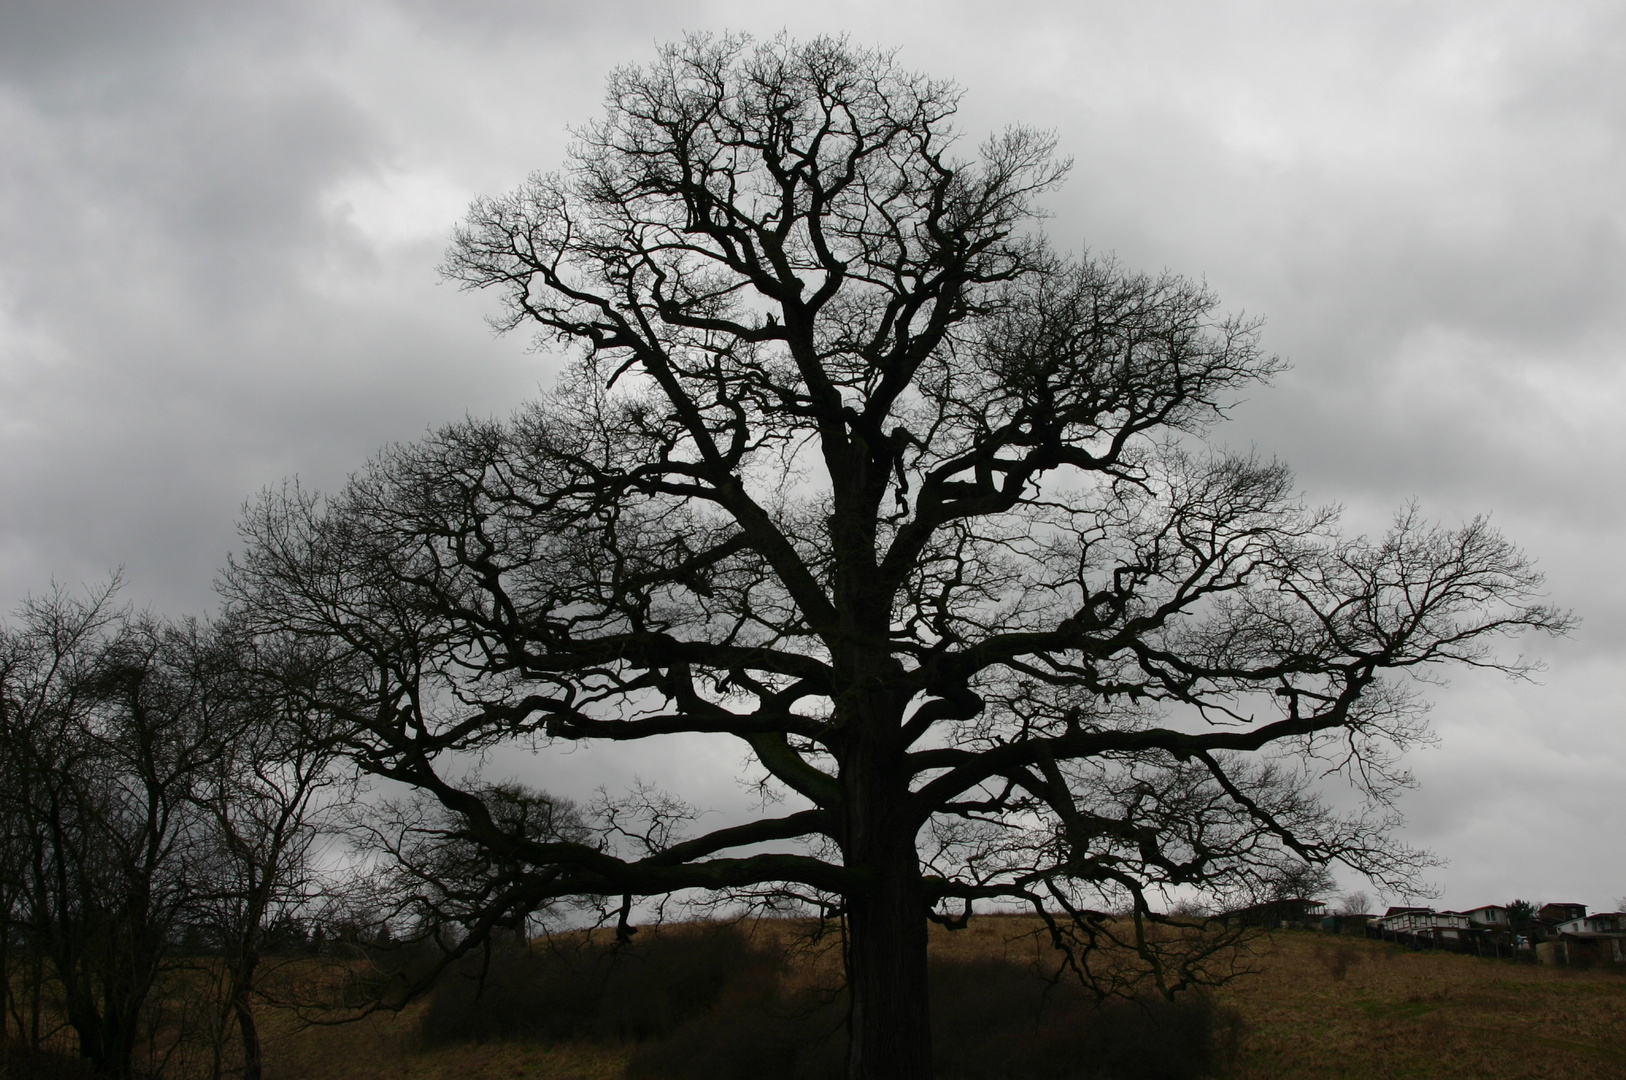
(566, 989)
(18, 1062)
(713, 1006)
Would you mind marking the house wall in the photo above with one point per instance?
(1491, 916)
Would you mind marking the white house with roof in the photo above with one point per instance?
(1490, 916)
(1599, 922)
(1421, 921)
(1600, 936)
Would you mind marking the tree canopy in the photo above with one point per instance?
(852, 469)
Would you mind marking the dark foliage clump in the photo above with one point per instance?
(18, 1062)
(709, 1004)
(1144, 1039)
(746, 1035)
(991, 1020)
(997, 1020)
(595, 990)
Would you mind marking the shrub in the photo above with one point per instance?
(746, 1036)
(995, 1020)
(572, 989)
(991, 1020)
(18, 1062)
(707, 1004)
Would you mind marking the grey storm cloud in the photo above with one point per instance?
(219, 226)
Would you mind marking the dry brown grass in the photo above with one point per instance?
(1356, 1009)
(1319, 1007)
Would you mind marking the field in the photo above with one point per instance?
(1318, 1007)
(1349, 1008)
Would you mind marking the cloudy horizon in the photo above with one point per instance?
(220, 225)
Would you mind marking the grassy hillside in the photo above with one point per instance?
(1316, 1008)
(1343, 1008)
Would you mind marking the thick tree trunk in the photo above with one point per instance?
(890, 1024)
(250, 1031)
(36, 992)
(247, 1029)
(106, 1043)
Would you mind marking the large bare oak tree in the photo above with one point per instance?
(852, 469)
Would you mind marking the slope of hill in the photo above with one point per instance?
(1316, 1008)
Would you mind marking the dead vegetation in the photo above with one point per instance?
(711, 1002)
(1356, 1009)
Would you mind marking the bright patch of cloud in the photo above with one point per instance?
(396, 207)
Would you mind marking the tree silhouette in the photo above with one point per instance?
(270, 796)
(106, 723)
(853, 470)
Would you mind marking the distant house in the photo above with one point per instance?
(1603, 922)
(1559, 934)
(1421, 922)
(1585, 939)
(1491, 916)
(1553, 914)
(1290, 911)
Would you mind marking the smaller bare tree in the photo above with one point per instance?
(45, 664)
(107, 729)
(274, 792)
(1355, 903)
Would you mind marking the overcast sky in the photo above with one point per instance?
(219, 226)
